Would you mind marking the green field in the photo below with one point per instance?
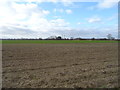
(56, 41)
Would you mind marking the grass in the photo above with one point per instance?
(55, 41)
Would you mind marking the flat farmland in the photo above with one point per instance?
(73, 65)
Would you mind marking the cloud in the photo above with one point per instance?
(58, 10)
(89, 32)
(15, 31)
(59, 23)
(67, 2)
(68, 11)
(19, 13)
(104, 4)
(78, 23)
(94, 19)
(22, 18)
(113, 17)
(107, 3)
(54, 10)
(61, 10)
(57, 17)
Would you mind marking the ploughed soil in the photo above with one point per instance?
(82, 65)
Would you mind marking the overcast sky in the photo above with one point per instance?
(36, 18)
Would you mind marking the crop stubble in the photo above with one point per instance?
(79, 65)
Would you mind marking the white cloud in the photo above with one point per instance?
(18, 13)
(104, 4)
(45, 12)
(94, 19)
(59, 23)
(57, 17)
(68, 11)
(27, 17)
(67, 2)
(29, 20)
(58, 10)
(78, 23)
(54, 10)
(107, 3)
(114, 17)
(61, 10)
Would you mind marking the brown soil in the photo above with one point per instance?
(80, 65)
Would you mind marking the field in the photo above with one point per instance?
(60, 65)
(57, 41)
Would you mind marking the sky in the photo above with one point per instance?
(40, 19)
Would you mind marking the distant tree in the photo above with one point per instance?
(59, 38)
(104, 38)
(71, 38)
(52, 37)
(40, 38)
(93, 38)
(80, 38)
(109, 36)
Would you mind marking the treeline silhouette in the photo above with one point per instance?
(59, 38)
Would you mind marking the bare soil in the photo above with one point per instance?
(82, 65)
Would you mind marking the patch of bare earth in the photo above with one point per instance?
(80, 65)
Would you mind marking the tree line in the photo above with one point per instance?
(109, 37)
